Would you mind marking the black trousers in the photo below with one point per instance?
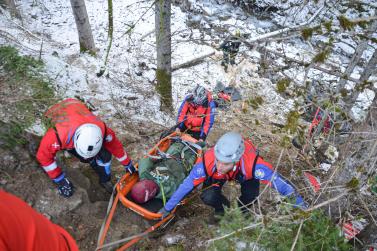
(100, 163)
(212, 195)
(194, 134)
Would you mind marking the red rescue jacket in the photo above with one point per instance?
(66, 117)
(22, 228)
(245, 165)
(196, 117)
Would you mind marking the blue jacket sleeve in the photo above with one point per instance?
(208, 122)
(197, 174)
(283, 186)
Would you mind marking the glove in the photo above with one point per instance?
(300, 203)
(130, 168)
(163, 213)
(65, 188)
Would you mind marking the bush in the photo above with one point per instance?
(317, 233)
(25, 94)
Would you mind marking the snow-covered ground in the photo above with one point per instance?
(128, 89)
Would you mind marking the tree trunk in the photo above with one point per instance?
(363, 83)
(83, 26)
(12, 8)
(163, 46)
(361, 47)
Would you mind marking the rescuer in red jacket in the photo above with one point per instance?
(83, 135)
(197, 113)
(232, 158)
(22, 228)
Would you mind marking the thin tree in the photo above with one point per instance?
(83, 26)
(12, 8)
(163, 46)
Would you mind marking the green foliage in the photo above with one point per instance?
(282, 85)
(328, 25)
(255, 102)
(353, 183)
(164, 87)
(321, 56)
(31, 92)
(318, 232)
(307, 33)
(292, 122)
(345, 23)
(19, 66)
(11, 135)
(361, 86)
(285, 142)
(343, 92)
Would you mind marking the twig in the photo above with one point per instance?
(327, 202)
(366, 207)
(298, 233)
(234, 232)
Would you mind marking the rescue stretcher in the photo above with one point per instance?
(147, 210)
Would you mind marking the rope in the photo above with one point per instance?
(109, 206)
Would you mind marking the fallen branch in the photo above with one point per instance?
(192, 62)
(278, 32)
(327, 202)
(303, 63)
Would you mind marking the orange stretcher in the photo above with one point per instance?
(147, 210)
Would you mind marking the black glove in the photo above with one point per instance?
(65, 188)
(130, 168)
(163, 213)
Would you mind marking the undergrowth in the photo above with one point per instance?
(25, 94)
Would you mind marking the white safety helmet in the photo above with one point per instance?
(230, 147)
(88, 140)
(199, 95)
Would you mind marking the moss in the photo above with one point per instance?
(363, 85)
(83, 48)
(306, 33)
(343, 92)
(292, 121)
(345, 23)
(321, 56)
(164, 87)
(282, 85)
(328, 25)
(285, 142)
(255, 102)
(353, 183)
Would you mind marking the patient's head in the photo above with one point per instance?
(144, 191)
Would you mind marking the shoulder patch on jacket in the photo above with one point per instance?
(109, 138)
(259, 173)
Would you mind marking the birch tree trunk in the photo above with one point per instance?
(12, 8)
(163, 47)
(83, 26)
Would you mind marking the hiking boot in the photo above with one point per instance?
(108, 186)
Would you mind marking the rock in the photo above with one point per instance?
(52, 204)
(3, 182)
(171, 239)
